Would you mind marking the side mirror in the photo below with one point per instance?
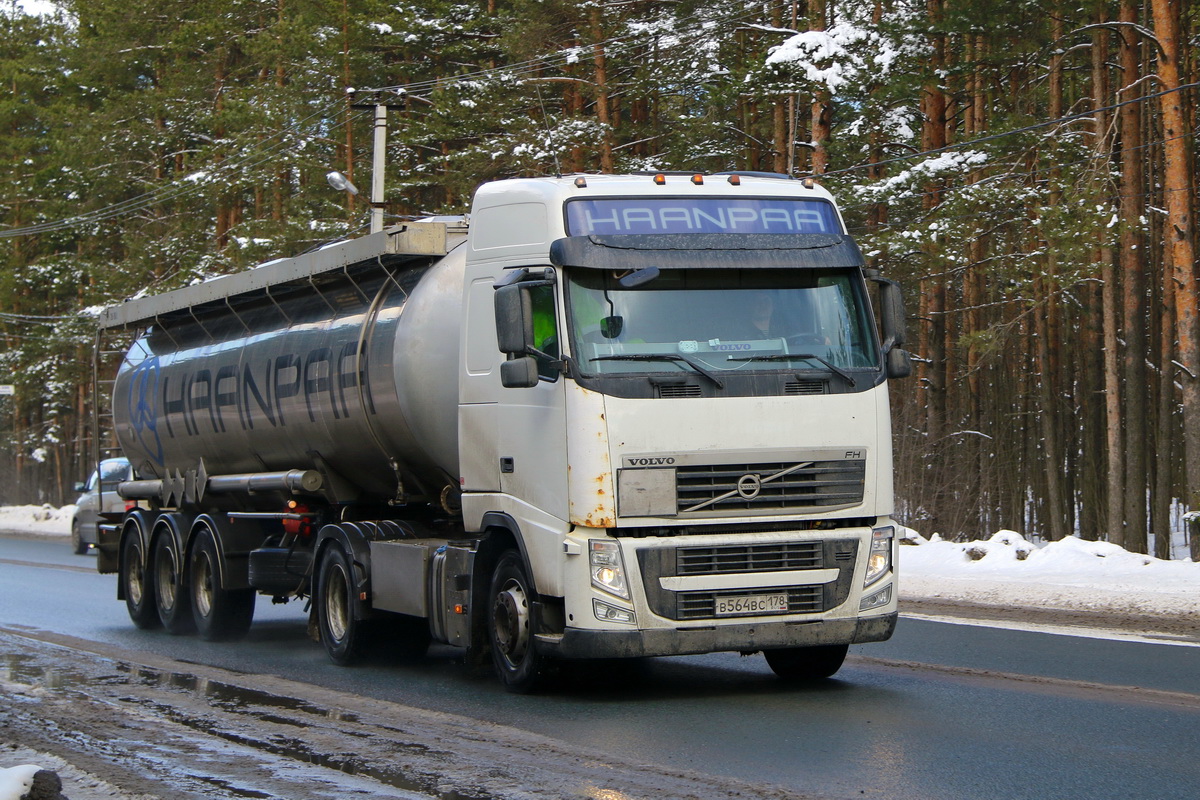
(81, 487)
(519, 373)
(892, 311)
(514, 318)
(899, 363)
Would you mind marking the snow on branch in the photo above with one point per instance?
(843, 54)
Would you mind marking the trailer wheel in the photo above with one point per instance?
(344, 637)
(510, 626)
(174, 608)
(806, 663)
(137, 586)
(220, 614)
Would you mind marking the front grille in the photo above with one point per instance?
(702, 605)
(748, 558)
(679, 390)
(804, 596)
(766, 488)
(806, 387)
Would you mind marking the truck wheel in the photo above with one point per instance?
(344, 637)
(510, 627)
(806, 663)
(169, 593)
(138, 588)
(220, 614)
(77, 543)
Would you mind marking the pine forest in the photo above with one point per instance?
(1024, 169)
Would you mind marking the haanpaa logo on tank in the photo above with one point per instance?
(143, 408)
(170, 401)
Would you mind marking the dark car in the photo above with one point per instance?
(99, 495)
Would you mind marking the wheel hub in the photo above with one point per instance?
(336, 611)
(165, 569)
(133, 580)
(511, 616)
(204, 585)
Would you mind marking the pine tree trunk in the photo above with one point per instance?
(1179, 257)
(822, 109)
(602, 99)
(1133, 268)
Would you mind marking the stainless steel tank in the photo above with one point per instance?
(357, 378)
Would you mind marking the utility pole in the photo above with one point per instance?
(377, 168)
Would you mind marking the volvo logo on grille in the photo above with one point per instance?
(749, 485)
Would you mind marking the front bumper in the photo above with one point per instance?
(746, 637)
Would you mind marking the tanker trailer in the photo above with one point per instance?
(258, 407)
(566, 427)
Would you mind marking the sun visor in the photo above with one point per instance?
(707, 251)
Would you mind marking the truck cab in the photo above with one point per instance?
(704, 349)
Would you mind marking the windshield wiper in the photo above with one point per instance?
(662, 357)
(789, 356)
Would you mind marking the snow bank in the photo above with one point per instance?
(16, 781)
(42, 520)
(1069, 574)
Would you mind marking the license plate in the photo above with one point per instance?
(745, 605)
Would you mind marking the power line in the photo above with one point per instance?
(991, 179)
(178, 189)
(183, 187)
(1003, 134)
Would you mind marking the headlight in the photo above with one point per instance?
(607, 571)
(879, 561)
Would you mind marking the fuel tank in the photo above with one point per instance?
(356, 377)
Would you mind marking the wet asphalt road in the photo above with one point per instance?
(943, 711)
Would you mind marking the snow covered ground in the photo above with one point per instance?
(40, 520)
(16, 781)
(1071, 574)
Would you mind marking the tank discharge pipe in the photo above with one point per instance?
(293, 480)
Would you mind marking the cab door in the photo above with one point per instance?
(531, 421)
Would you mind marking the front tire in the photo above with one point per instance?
(519, 665)
(170, 594)
(345, 638)
(220, 614)
(136, 584)
(806, 663)
(77, 543)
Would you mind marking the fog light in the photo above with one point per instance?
(608, 573)
(879, 561)
(609, 613)
(877, 600)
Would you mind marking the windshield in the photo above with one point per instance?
(717, 321)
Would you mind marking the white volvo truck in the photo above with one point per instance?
(602, 416)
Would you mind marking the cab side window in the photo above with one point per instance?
(545, 331)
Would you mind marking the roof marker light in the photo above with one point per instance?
(809, 183)
(735, 180)
(698, 180)
(660, 179)
(581, 182)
